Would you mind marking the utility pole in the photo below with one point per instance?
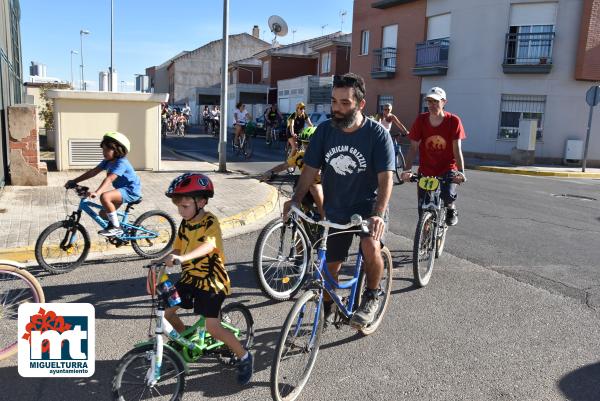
(224, 89)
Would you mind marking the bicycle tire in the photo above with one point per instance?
(284, 346)
(31, 292)
(166, 237)
(247, 148)
(386, 287)
(423, 259)
(247, 330)
(44, 259)
(441, 239)
(268, 288)
(144, 353)
(400, 163)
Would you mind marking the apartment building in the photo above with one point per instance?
(499, 61)
(11, 74)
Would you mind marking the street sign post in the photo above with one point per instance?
(592, 97)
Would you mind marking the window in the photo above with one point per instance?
(438, 27)
(325, 62)
(531, 33)
(515, 107)
(384, 99)
(364, 42)
(265, 69)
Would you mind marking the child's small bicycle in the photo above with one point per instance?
(156, 369)
(64, 245)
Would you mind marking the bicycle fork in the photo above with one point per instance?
(164, 327)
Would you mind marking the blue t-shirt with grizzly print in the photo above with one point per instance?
(349, 164)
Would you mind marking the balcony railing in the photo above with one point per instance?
(432, 57)
(528, 53)
(384, 63)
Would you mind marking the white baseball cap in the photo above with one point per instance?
(436, 93)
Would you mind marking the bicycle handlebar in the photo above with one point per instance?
(355, 221)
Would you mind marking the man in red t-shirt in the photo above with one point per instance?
(437, 136)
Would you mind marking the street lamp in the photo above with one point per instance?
(72, 52)
(81, 33)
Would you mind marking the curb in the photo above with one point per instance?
(543, 173)
(27, 253)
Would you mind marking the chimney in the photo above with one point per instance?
(256, 32)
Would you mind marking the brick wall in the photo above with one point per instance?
(587, 66)
(25, 167)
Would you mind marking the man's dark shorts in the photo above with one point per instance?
(207, 304)
(338, 245)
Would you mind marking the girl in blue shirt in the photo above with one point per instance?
(120, 174)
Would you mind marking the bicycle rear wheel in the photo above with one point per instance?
(247, 148)
(386, 291)
(129, 381)
(281, 258)
(424, 249)
(400, 163)
(297, 348)
(441, 238)
(62, 247)
(160, 230)
(17, 287)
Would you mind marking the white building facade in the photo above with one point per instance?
(509, 60)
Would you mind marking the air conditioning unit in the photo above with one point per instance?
(573, 151)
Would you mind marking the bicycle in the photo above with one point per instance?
(283, 254)
(301, 333)
(17, 286)
(156, 368)
(244, 148)
(64, 245)
(430, 234)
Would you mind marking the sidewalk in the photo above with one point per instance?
(26, 211)
(506, 167)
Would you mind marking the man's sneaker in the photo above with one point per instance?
(365, 314)
(111, 231)
(451, 217)
(245, 369)
(329, 309)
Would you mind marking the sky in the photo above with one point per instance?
(149, 32)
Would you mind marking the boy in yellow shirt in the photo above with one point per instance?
(198, 247)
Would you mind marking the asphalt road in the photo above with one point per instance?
(472, 334)
(542, 231)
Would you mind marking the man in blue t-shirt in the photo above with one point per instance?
(356, 159)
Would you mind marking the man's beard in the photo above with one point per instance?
(346, 121)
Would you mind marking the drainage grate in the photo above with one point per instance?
(580, 197)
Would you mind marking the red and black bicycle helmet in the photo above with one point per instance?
(192, 185)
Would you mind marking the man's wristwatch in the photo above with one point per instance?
(378, 214)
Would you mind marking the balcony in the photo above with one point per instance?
(384, 63)
(383, 4)
(528, 53)
(432, 57)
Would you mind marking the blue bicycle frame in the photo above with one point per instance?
(88, 207)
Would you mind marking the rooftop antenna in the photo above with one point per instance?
(323, 29)
(278, 26)
(343, 13)
(293, 34)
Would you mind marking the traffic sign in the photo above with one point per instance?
(592, 97)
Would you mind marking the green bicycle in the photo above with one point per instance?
(155, 369)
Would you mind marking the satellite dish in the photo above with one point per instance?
(277, 25)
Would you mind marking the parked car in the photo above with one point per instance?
(318, 117)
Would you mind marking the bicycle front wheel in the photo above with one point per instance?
(424, 249)
(17, 287)
(386, 291)
(247, 148)
(297, 347)
(281, 258)
(62, 247)
(129, 382)
(156, 232)
(400, 163)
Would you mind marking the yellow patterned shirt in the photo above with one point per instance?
(207, 272)
(298, 161)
